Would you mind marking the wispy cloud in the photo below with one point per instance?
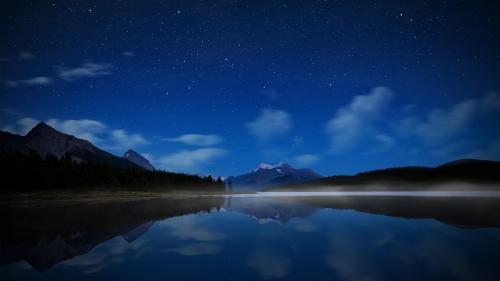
(439, 125)
(9, 111)
(35, 81)
(121, 140)
(86, 70)
(4, 59)
(491, 151)
(306, 159)
(270, 124)
(128, 54)
(354, 120)
(83, 128)
(191, 160)
(196, 139)
(26, 55)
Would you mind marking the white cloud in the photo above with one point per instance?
(354, 120)
(270, 124)
(121, 140)
(197, 139)
(22, 126)
(87, 69)
(306, 159)
(35, 81)
(83, 128)
(128, 54)
(25, 55)
(439, 125)
(190, 160)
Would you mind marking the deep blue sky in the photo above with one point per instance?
(220, 86)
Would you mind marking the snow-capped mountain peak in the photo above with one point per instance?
(266, 166)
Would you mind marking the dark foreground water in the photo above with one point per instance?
(245, 238)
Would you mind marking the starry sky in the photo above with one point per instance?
(216, 87)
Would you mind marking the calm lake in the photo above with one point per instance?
(327, 237)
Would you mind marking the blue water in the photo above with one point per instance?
(262, 239)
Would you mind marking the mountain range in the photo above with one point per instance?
(480, 173)
(46, 140)
(266, 175)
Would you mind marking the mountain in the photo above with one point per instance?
(46, 140)
(138, 159)
(266, 174)
(473, 171)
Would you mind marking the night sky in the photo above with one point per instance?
(216, 87)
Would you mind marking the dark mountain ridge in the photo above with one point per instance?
(462, 170)
(46, 140)
(48, 160)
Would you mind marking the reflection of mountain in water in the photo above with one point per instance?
(469, 212)
(457, 211)
(269, 210)
(48, 233)
(137, 232)
(53, 232)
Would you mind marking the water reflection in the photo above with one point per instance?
(46, 234)
(315, 238)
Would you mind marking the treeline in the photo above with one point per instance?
(477, 172)
(30, 172)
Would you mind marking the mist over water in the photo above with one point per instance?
(378, 193)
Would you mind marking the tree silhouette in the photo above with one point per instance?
(30, 172)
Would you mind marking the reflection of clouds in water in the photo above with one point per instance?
(196, 249)
(104, 255)
(269, 265)
(191, 227)
(369, 252)
(94, 269)
(350, 260)
(305, 226)
(442, 255)
(90, 259)
(23, 265)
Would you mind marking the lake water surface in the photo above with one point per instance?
(261, 237)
